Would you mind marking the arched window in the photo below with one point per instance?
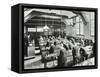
(79, 26)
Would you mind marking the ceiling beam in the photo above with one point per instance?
(82, 16)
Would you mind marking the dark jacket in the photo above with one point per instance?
(62, 58)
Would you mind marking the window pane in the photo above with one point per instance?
(81, 28)
(92, 15)
(77, 19)
(68, 22)
(31, 29)
(71, 21)
(39, 29)
(92, 27)
(80, 19)
(77, 28)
